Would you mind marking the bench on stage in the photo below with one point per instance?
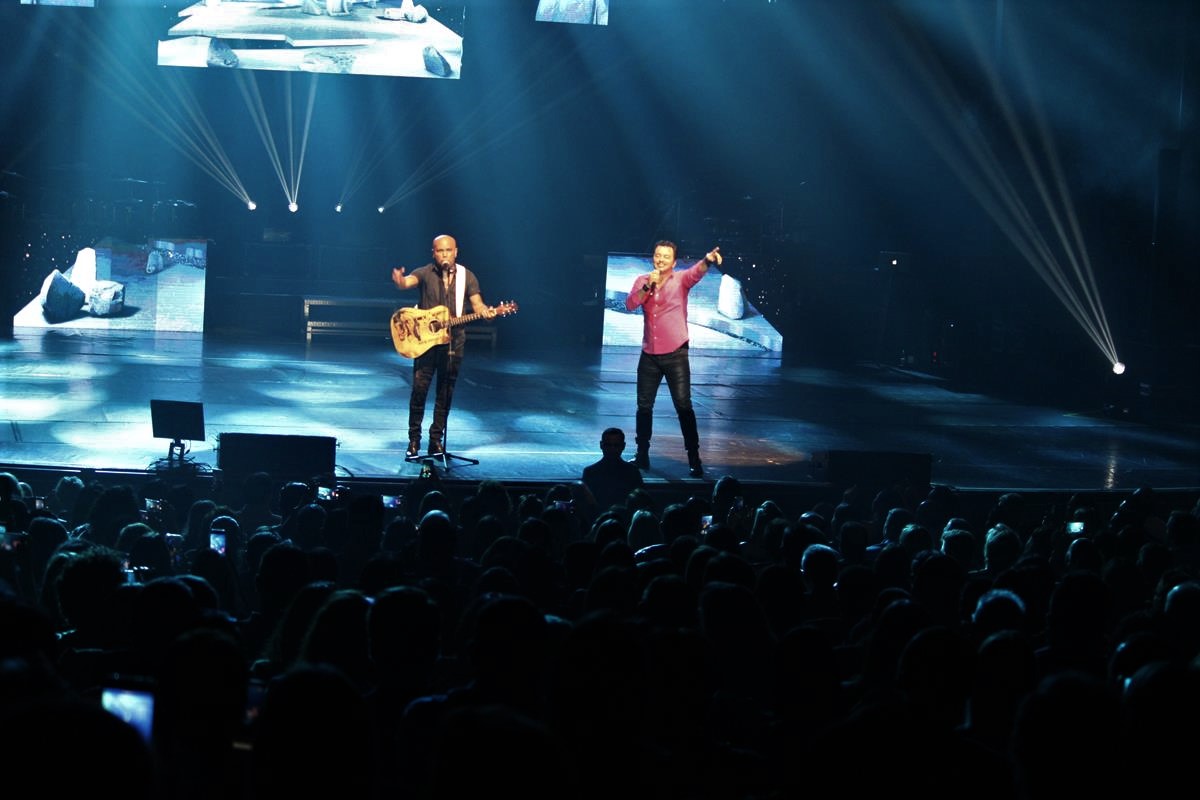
(366, 316)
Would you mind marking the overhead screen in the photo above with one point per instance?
(579, 12)
(349, 37)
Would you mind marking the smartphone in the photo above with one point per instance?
(324, 493)
(153, 504)
(1075, 528)
(426, 469)
(392, 500)
(132, 703)
(705, 522)
(39, 504)
(563, 505)
(216, 541)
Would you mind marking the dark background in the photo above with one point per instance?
(805, 137)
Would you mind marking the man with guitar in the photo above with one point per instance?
(443, 282)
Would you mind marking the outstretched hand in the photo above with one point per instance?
(714, 256)
(398, 276)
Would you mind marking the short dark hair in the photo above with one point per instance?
(666, 243)
(613, 432)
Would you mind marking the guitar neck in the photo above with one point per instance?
(465, 318)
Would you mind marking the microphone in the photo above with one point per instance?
(649, 286)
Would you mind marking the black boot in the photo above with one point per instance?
(415, 415)
(691, 442)
(645, 426)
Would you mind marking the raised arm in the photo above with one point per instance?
(403, 281)
(711, 257)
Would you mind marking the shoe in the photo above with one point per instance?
(436, 449)
(695, 468)
(641, 459)
(414, 448)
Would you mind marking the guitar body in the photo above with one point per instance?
(415, 330)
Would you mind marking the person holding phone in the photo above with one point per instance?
(14, 514)
(662, 295)
(224, 534)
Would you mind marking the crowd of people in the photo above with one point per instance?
(547, 645)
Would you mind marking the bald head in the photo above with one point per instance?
(445, 251)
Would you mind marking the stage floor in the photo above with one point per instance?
(81, 399)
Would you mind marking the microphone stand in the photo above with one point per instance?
(446, 455)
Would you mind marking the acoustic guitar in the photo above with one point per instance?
(415, 330)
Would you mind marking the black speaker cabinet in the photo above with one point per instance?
(284, 457)
(873, 469)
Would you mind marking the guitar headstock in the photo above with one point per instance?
(505, 307)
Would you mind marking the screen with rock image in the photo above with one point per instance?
(720, 314)
(155, 285)
(402, 38)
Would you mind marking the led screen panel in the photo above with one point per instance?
(720, 316)
(155, 285)
(578, 12)
(349, 37)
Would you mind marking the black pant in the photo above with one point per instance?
(436, 360)
(676, 368)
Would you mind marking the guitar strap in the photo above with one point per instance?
(460, 290)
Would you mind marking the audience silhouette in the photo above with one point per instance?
(491, 640)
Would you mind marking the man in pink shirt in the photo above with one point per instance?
(662, 295)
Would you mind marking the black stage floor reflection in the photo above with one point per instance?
(81, 399)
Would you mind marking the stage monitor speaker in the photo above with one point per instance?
(177, 419)
(873, 469)
(284, 457)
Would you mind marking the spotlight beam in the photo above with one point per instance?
(127, 87)
(298, 168)
(970, 156)
(248, 85)
(450, 154)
